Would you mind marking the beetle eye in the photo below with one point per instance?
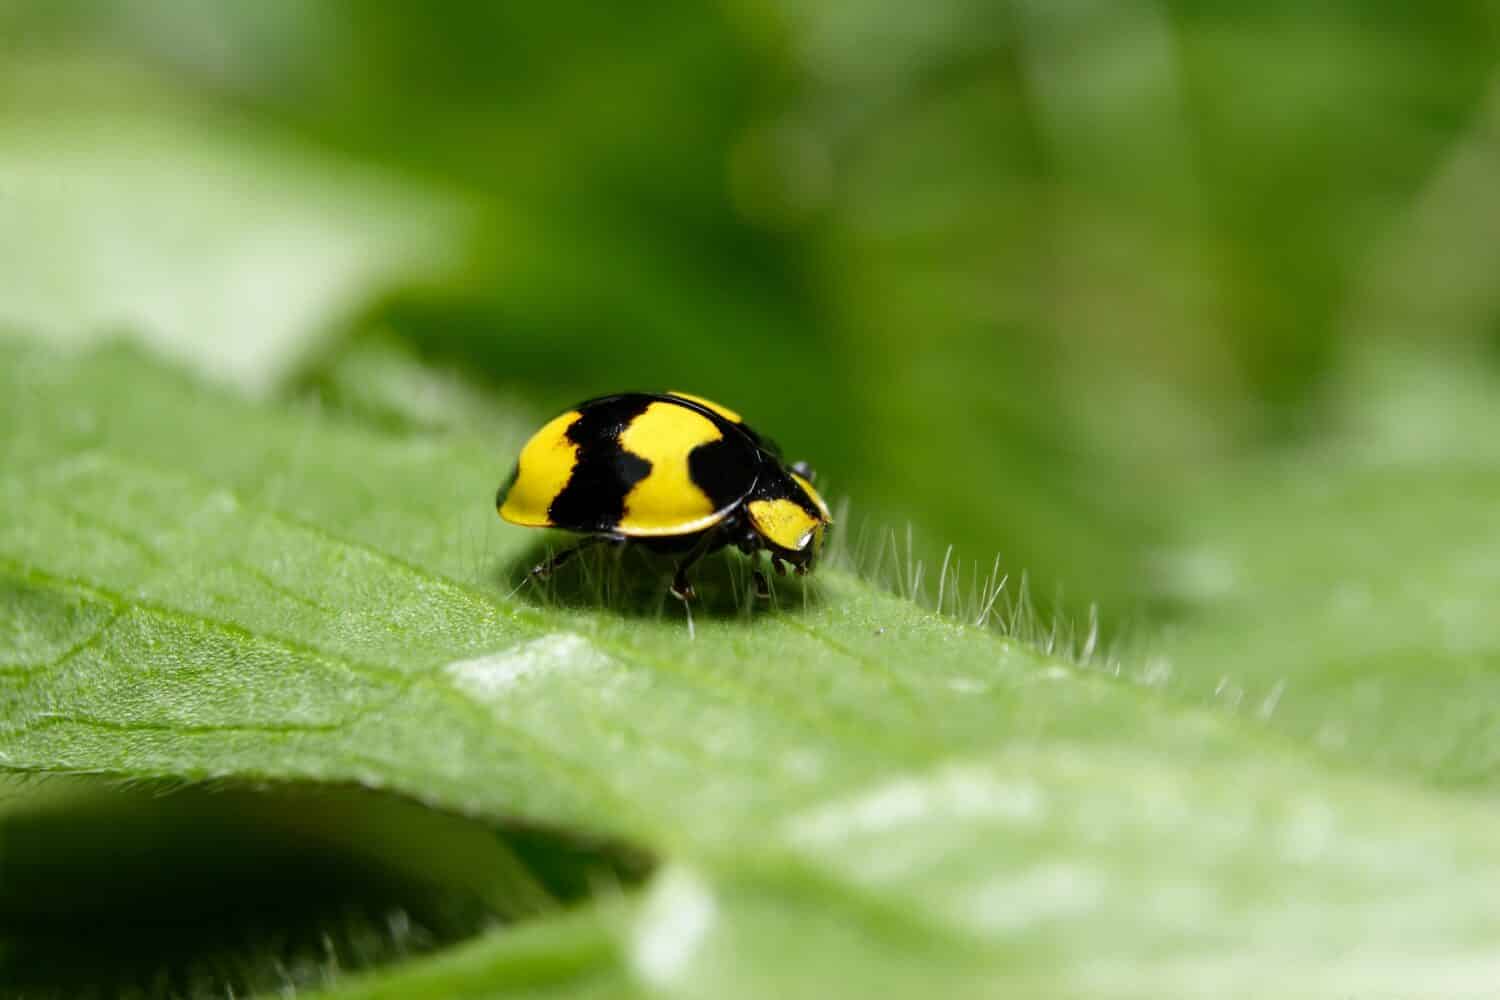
(805, 471)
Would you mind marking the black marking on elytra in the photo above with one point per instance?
(729, 428)
(725, 470)
(604, 418)
(594, 498)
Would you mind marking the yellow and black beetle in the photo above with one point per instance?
(674, 472)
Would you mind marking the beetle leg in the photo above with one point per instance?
(544, 569)
(762, 585)
(682, 587)
(779, 566)
(745, 539)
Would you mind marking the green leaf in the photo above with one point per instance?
(845, 793)
(162, 222)
(1344, 594)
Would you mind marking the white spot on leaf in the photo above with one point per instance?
(1157, 673)
(954, 792)
(494, 674)
(1014, 902)
(677, 916)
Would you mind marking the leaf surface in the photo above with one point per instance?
(162, 222)
(845, 793)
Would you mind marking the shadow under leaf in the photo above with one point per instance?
(145, 891)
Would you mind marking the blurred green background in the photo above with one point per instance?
(1017, 273)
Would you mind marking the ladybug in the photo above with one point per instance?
(673, 472)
